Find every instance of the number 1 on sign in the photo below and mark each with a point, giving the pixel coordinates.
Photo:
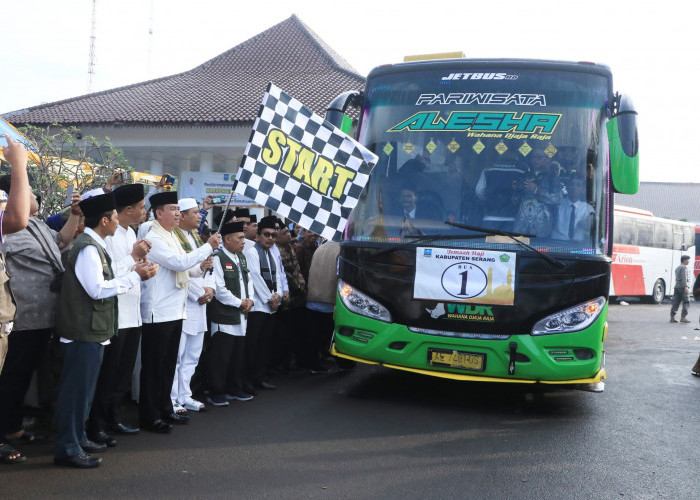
(464, 275)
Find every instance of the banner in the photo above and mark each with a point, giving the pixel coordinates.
(199, 185)
(302, 167)
(7, 129)
(463, 275)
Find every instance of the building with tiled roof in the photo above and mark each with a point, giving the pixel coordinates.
(201, 119)
(672, 200)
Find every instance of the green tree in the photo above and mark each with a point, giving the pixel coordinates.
(64, 156)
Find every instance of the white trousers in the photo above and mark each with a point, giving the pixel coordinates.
(187, 359)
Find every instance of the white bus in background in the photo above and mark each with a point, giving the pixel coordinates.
(646, 251)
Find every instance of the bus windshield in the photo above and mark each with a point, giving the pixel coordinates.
(516, 151)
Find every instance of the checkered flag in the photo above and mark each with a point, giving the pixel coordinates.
(302, 167)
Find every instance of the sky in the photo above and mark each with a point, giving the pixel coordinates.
(651, 47)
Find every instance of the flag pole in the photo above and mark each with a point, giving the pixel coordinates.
(228, 204)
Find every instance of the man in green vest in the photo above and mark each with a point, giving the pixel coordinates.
(87, 319)
(228, 315)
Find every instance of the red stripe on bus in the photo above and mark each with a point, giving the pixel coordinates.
(626, 248)
(628, 279)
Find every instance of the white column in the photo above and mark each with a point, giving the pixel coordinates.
(206, 161)
(185, 164)
(156, 163)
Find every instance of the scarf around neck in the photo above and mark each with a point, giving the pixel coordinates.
(182, 278)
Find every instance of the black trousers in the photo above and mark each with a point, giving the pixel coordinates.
(159, 347)
(226, 364)
(115, 379)
(284, 338)
(258, 344)
(315, 338)
(25, 349)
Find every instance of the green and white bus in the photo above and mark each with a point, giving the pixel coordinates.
(481, 247)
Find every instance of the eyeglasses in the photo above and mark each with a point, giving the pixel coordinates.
(269, 235)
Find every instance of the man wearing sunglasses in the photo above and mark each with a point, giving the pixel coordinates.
(267, 284)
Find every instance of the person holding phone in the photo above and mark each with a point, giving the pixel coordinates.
(33, 258)
(14, 218)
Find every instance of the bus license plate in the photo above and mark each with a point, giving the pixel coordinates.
(457, 359)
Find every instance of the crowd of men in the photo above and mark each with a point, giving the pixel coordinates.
(229, 308)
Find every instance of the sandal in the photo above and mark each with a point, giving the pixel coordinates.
(29, 438)
(7, 453)
(178, 409)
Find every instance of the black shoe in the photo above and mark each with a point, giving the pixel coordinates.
(92, 447)
(120, 428)
(82, 461)
(159, 426)
(217, 400)
(267, 385)
(178, 418)
(249, 389)
(101, 437)
(239, 396)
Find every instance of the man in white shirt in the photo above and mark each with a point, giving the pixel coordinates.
(87, 319)
(163, 304)
(120, 355)
(267, 283)
(200, 293)
(228, 315)
(575, 215)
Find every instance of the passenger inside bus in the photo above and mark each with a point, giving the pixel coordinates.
(541, 192)
(575, 216)
(498, 189)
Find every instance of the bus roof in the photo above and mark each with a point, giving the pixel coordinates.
(582, 66)
(632, 210)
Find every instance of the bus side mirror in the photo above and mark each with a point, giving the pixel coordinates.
(335, 113)
(624, 147)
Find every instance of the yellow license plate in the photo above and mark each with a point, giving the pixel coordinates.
(457, 359)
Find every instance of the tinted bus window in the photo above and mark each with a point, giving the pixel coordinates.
(663, 236)
(646, 233)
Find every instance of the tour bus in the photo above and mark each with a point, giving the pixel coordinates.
(454, 263)
(646, 251)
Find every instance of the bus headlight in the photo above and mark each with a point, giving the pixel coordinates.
(361, 304)
(572, 319)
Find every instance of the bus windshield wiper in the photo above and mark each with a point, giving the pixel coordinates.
(421, 239)
(513, 236)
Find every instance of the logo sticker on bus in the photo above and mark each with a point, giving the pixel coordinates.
(462, 312)
(479, 76)
(479, 121)
(482, 98)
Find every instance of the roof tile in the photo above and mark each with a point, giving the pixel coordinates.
(225, 89)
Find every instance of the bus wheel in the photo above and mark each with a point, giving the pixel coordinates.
(658, 293)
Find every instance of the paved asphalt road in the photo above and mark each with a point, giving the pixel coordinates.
(377, 433)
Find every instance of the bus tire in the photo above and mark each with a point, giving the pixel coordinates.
(658, 293)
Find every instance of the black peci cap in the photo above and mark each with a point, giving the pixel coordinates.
(269, 222)
(241, 212)
(164, 198)
(230, 214)
(231, 227)
(97, 205)
(128, 195)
